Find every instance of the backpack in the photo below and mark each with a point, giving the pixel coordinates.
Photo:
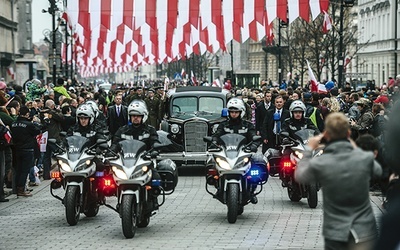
(5, 137)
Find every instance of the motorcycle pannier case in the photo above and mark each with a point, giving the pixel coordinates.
(169, 174)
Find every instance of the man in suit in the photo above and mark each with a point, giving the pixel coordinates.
(261, 110)
(272, 123)
(117, 115)
(344, 171)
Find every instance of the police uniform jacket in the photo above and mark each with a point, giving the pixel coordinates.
(143, 132)
(237, 126)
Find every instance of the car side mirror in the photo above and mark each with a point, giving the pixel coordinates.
(256, 138)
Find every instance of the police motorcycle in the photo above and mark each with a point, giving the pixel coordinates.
(77, 172)
(291, 153)
(136, 189)
(235, 172)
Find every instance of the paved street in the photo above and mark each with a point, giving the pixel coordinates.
(189, 219)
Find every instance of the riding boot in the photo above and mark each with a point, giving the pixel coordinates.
(21, 192)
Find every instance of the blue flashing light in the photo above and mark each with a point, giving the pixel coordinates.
(99, 174)
(156, 183)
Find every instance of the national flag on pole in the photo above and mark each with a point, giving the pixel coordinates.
(166, 83)
(183, 73)
(313, 80)
(193, 78)
(10, 72)
(217, 83)
(327, 24)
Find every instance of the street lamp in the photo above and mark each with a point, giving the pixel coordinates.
(343, 3)
(282, 24)
(52, 11)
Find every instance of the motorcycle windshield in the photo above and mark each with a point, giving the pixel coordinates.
(304, 134)
(75, 146)
(232, 143)
(130, 150)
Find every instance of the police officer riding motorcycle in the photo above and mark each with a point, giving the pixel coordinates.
(234, 168)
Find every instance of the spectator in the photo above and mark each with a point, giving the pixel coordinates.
(53, 119)
(69, 121)
(60, 90)
(344, 171)
(24, 137)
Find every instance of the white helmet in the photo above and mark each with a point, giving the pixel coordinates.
(85, 110)
(236, 104)
(94, 106)
(138, 107)
(297, 105)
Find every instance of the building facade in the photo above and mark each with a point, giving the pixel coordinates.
(8, 34)
(378, 27)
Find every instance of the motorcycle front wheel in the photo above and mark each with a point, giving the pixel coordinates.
(232, 202)
(128, 215)
(312, 195)
(72, 205)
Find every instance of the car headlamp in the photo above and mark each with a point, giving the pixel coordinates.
(223, 164)
(174, 128)
(119, 173)
(64, 166)
(214, 128)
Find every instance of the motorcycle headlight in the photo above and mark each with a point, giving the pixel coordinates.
(174, 128)
(119, 173)
(139, 172)
(223, 164)
(64, 166)
(299, 154)
(242, 162)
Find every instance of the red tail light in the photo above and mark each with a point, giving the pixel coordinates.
(212, 172)
(55, 175)
(287, 164)
(107, 186)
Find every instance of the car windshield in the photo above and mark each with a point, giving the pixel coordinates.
(197, 106)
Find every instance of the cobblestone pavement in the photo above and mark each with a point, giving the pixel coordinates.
(189, 219)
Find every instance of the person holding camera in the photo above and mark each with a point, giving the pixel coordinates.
(344, 171)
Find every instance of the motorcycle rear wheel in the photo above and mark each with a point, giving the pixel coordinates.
(294, 193)
(232, 202)
(312, 195)
(72, 206)
(92, 210)
(128, 215)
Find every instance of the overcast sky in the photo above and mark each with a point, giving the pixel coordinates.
(40, 21)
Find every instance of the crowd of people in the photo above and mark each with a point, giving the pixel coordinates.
(29, 110)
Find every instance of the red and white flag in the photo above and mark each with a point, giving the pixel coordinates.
(193, 78)
(166, 83)
(327, 24)
(183, 73)
(10, 72)
(313, 80)
(217, 83)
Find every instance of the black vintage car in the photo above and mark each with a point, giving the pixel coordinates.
(190, 114)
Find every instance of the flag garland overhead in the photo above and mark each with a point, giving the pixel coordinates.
(118, 35)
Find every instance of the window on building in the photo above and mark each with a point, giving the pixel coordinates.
(27, 8)
(28, 43)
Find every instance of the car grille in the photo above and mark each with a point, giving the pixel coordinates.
(194, 133)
